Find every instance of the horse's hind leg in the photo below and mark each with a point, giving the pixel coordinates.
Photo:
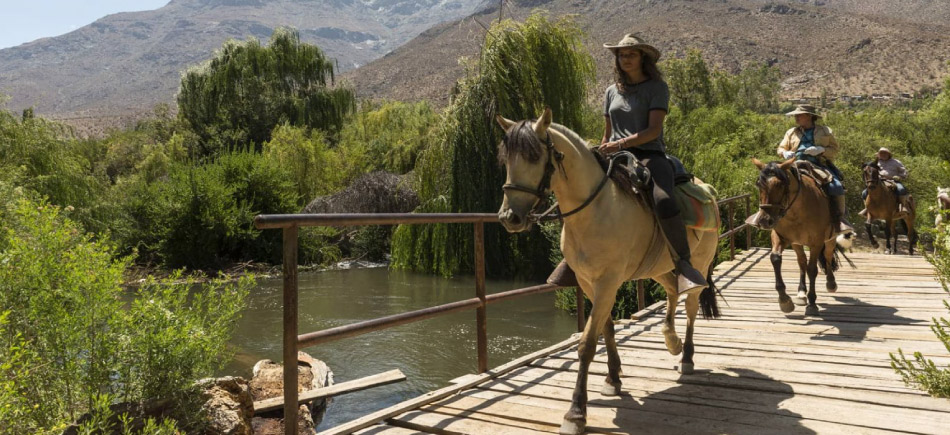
(800, 298)
(911, 234)
(812, 308)
(784, 302)
(829, 252)
(612, 383)
(868, 228)
(692, 307)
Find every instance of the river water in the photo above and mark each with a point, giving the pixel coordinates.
(430, 352)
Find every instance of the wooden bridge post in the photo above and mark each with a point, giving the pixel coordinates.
(641, 296)
(579, 302)
(732, 227)
(290, 330)
(748, 228)
(481, 312)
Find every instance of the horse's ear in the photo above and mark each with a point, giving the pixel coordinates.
(505, 123)
(543, 122)
(758, 163)
(787, 164)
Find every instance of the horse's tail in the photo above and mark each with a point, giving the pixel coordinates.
(707, 299)
(838, 252)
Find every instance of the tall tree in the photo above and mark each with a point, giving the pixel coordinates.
(247, 89)
(522, 68)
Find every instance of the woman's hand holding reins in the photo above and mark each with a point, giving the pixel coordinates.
(610, 147)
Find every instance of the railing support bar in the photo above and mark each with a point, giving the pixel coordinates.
(748, 228)
(641, 296)
(290, 330)
(481, 313)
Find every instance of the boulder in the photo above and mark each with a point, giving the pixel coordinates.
(268, 382)
(228, 405)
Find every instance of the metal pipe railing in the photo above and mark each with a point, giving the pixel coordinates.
(292, 342)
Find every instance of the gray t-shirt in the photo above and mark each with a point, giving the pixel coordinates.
(630, 112)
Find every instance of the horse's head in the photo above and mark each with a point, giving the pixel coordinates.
(528, 153)
(871, 174)
(774, 186)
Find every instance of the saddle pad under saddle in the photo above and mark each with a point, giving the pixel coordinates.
(697, 203)
(821, 175)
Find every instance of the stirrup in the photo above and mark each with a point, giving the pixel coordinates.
(688, 279)
(563, 276)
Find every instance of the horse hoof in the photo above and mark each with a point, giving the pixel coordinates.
(572, 427)
(786, 305)
(675, 348)
(831, 287)
(686, 368)
(875, 245)
(800, 300)
(811, 310)
(610, 389)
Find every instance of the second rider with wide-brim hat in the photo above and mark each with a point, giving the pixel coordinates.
(817, 144)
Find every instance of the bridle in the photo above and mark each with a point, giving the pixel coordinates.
(868, 179)
(544, 186)
(787, 205)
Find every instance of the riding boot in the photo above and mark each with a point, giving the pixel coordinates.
(688, 279)
(844, 226)
(903, 205)
(563, 276)
(863, 212)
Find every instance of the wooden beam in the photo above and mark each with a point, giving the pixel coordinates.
(384, 378)
(648, 310)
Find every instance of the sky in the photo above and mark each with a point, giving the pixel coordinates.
(24, 21)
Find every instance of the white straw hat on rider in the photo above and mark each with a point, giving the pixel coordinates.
(884, 151)
(633, 41)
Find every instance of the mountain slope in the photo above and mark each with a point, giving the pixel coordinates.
(127, 62)
(842, 46)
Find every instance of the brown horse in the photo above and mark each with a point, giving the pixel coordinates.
(882, 204)
(609, 236)
(793, 206)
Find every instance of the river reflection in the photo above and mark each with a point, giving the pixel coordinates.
(430, 352)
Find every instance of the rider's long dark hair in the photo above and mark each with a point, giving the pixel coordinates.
(647, 63)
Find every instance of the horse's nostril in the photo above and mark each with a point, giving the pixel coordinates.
(514, 219)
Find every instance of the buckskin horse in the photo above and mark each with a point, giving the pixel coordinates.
(798, 213)
(881, 204)
(609, 236)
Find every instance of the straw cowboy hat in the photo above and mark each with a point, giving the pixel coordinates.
(884, 151)
(804, 109)
(632, 41)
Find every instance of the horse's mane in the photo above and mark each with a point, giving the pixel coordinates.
(521, 140)
(622, 178)
(771, 170)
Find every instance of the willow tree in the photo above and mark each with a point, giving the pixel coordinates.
(522, 68)
(247, 89)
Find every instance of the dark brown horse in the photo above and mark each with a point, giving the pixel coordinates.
(882, 204)
(793, 206)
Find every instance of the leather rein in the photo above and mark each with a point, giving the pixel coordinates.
(544, 187)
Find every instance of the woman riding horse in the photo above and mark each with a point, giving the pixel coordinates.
(634, 109)
(816, 144)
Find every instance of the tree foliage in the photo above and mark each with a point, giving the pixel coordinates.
(247, 89)
(522, 68)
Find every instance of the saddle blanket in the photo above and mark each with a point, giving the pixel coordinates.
(697, 202)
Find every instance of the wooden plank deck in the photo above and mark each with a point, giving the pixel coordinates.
(758, 370)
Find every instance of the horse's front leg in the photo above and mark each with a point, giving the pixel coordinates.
(812, 308)
(868, 229)
(692, 307)
(673, 343)
(784, 302)
(575, 420)
(614, 372)
(829, 252)
(888, 230)
(801, 297)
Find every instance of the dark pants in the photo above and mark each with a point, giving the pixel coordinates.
(662, 171)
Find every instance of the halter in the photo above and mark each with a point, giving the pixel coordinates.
(868, 181)
(544, 186)
(787, 186)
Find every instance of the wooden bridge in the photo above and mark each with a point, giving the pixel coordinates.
(759, 371)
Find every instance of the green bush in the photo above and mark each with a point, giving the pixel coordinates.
(921, 372)
(70, 343)
(387, 136)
